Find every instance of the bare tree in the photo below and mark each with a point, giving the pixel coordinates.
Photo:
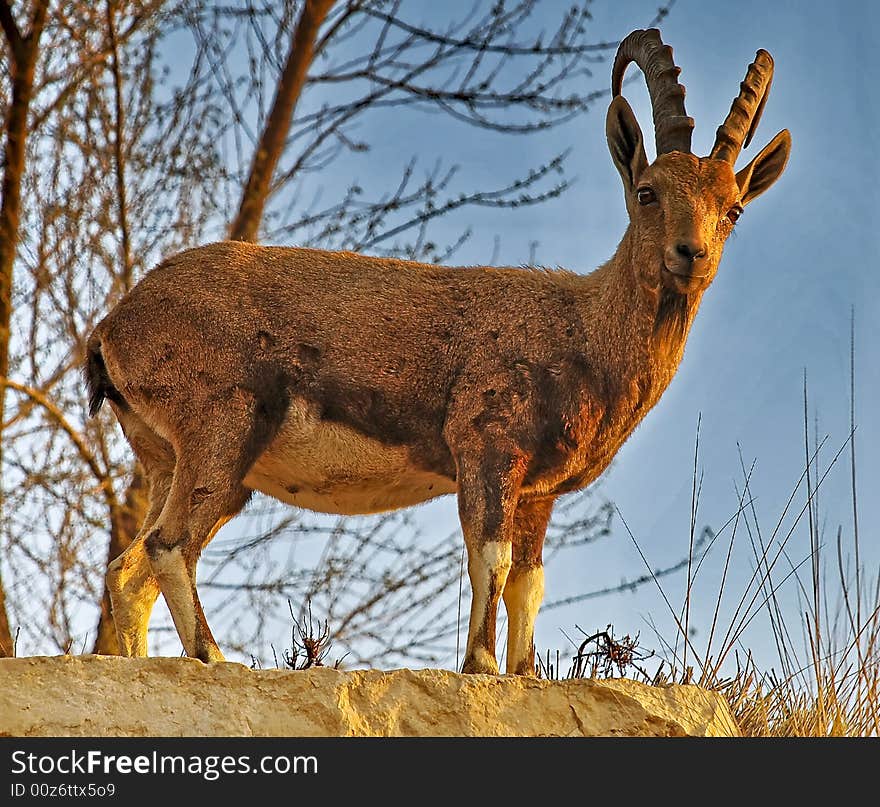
(95, 114)
(272, 140)
(22, 48)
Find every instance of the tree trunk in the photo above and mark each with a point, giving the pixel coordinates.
(271, 145)
(23, 51)
(7, 643)
(126, 522)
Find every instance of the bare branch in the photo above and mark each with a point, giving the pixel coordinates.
(119, 160)
(100, 474)
(271, 144)
(512, 49)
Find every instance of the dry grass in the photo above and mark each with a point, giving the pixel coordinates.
(828, 679)
(832, 703)
(835, 692)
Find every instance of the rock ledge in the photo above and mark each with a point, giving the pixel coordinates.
(99, 696)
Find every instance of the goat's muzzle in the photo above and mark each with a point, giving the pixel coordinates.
(685, 265)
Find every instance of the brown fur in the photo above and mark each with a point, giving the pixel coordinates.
(508, 386)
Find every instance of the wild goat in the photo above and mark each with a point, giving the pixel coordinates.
(343, 383)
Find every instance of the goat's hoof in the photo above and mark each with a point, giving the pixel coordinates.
(209, 655)
(523, 668)
(479, 662)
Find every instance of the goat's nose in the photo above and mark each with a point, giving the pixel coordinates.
(691, 250)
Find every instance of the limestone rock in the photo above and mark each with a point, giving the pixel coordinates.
(110, 696)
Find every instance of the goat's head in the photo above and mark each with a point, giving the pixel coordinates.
(682, 208)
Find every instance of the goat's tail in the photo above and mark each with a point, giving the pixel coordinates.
(97, 379)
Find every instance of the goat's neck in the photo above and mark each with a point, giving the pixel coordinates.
(636, 331)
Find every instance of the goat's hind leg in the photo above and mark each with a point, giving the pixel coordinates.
(130, 580)
(133, 591)
(202, 494)
(212, 460)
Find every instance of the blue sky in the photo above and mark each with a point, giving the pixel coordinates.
(804, 254)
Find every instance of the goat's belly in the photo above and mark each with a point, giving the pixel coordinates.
(331, 468)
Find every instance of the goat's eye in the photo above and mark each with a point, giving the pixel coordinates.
(646, 196)
(734, 213)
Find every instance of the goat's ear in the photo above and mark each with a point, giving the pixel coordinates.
(765, 169)
(625, 142)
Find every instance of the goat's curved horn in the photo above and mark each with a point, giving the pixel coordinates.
(745, 112)
(672, 126)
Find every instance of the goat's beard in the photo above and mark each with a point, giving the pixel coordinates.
(673, 315)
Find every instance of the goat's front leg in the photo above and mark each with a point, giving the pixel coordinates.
(524, 589)
(487, 495)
